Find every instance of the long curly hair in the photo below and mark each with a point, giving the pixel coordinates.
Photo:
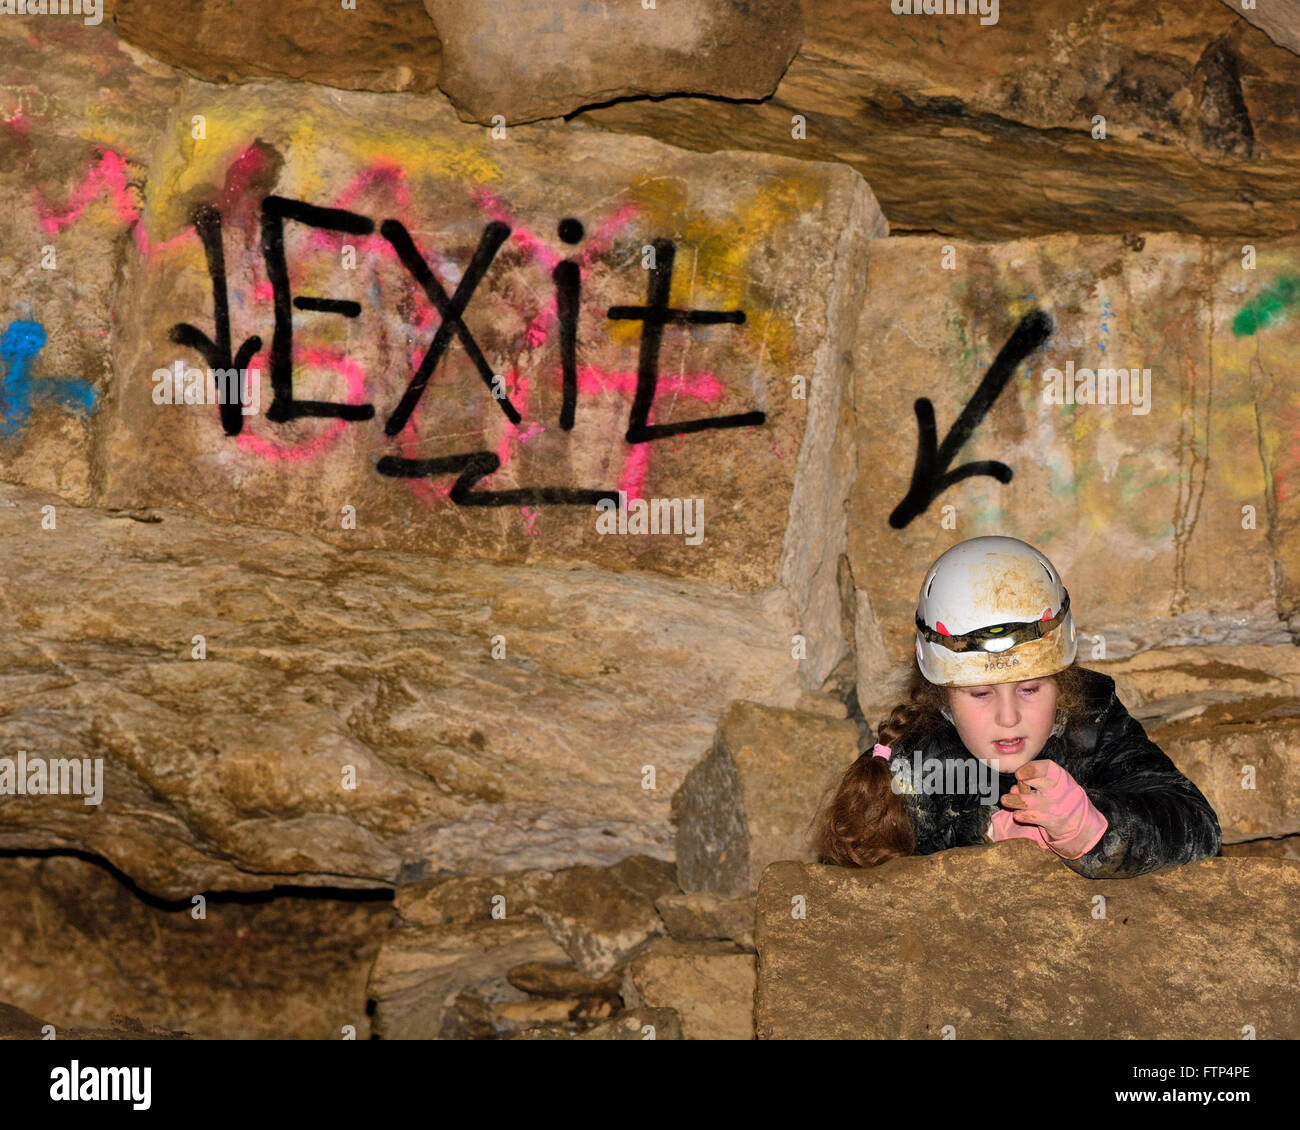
(866, 822)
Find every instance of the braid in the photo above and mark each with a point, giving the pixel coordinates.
(866, 822)
(921, 710)
(900, 720)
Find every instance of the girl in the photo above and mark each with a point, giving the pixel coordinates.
(995, 696)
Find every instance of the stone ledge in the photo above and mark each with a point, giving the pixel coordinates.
(1002, 942)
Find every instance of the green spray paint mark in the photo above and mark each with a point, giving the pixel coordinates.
(1267, 308)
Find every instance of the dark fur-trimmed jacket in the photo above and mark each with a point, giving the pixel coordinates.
(1156, 817)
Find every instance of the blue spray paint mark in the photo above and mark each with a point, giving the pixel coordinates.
(19, 345)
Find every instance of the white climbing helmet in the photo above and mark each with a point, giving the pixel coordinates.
(993, 610)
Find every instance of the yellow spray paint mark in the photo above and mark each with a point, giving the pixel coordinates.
(719, 252)
(1019, 307)
(204, 162)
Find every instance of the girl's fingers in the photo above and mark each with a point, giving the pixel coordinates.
(1034, 805)
(1039, 786)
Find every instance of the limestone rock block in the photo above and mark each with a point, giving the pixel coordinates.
(1168, 683)
(754, 796)
(1245, 761)
(709, 985)
(704, 917)
(1003, 942)
(1189, 94)
(76, 156)
(384, 47)
(82, 948)
(315, 659)
(530, 59)
(768, 253)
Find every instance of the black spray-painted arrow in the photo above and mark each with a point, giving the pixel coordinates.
(930, 474)
(216, 351)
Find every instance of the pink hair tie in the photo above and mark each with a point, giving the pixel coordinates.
(881, 751)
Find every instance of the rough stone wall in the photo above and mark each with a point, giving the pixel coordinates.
(372, 633)
(451, 342)
(992, 132)
(1198, 952)
(1167, 501)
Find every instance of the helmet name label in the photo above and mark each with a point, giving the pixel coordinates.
(1000, 663)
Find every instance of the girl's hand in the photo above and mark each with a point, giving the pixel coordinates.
(1047, 797)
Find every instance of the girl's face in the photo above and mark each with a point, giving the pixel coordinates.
(984, 715)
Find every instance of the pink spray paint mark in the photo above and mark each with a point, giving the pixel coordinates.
(636, 464)
(596, 244)
(146, 248)
(513, 434)
(108, 173)
(427, 491)
(317, 358)
(376, 175)
(519, 388)
(697, 386)
(538, 331)
(240, 175)
(1288, 464)
(234, 198)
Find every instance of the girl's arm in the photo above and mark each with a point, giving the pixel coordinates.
(940, 821)
(1156, 816)
(933, 830)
